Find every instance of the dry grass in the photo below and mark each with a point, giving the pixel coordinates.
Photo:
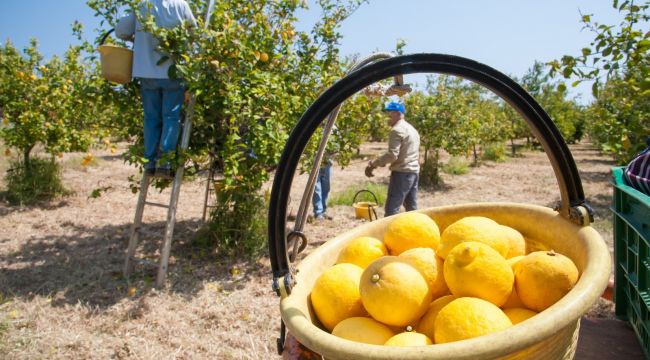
(63, 297)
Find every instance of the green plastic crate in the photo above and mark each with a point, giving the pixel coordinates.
(631, 210)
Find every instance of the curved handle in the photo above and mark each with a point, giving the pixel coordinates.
(101, 42)
(573, 205)
(354, 199)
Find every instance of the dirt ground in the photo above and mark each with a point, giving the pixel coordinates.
(62, 295)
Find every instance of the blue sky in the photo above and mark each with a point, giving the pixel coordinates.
(508, 35)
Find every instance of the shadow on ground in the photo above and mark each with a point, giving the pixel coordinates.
(85, 265)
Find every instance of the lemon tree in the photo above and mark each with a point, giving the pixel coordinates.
(252, 74)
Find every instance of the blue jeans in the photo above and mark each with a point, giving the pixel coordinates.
(162, 100)
(403, 189)
(322, 190)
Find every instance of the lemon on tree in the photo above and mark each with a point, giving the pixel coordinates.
(411, 230)
(394, 292)
(409, 339)
(473, 228)
(544, 277)
(335, 296)
(426, 325)
(430, 266)
(477, 270)
(362, 251)
(363, 329)
(466, 318)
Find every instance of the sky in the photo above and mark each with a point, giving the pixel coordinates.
(508, 35)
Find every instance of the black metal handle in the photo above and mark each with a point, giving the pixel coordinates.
(101, 42)
(540, 123)
(371, 209)
(354, 199)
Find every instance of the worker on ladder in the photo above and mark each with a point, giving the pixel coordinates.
(162, 97)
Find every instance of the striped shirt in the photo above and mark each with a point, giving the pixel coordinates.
(637, 172)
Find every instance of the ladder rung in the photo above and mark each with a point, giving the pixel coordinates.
(148, 233)
(156, 204)
(144, 262)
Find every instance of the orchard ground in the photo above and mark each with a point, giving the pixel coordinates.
(62, 294)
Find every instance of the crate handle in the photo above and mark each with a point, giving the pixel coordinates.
(572, 206)
(371, 209)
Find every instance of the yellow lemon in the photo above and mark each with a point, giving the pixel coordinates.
(362, 251)
(513, 301)
(468, 317)
(477, 270)
(533, 245)
(394, 292)
(409, 339)
(363, 329)
(335, 296)
(430, 266)
(427, 322)
(516, 240)
(473, 228)
(517, 315)
(543, 278)
(411, 230)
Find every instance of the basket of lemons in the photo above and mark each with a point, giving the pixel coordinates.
(471, 281)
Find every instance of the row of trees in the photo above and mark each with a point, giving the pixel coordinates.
(253, 74)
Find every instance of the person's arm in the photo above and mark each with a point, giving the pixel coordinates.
(394, 144)
(125, 27)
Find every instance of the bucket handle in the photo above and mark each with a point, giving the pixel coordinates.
(572, 206)
(103, 40)
(370, 207)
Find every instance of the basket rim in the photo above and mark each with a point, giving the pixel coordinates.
(569, 309)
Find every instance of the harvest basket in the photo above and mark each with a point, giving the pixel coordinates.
(116, 61)
(552, 334)
(365, 209)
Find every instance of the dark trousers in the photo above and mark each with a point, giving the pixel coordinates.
(403, 189)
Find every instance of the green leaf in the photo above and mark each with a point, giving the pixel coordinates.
(561, 88)
(586, 51)
(594, 89)
(162, 60)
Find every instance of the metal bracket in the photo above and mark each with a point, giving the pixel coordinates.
(282, 286)
(582, 214)
(298, 246)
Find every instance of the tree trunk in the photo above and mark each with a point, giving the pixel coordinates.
(429, 173)
(26, 158)
(512, 145)
(475, 155)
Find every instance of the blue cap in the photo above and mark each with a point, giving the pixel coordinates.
(395, 106)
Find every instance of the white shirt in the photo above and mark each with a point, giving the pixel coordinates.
(168, 14)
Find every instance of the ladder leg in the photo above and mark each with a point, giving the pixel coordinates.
(137, 222)
(166, 245)
(207, 193)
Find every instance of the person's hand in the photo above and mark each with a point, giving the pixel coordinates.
(369, 170)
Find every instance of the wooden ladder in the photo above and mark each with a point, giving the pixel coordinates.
(136, 227)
